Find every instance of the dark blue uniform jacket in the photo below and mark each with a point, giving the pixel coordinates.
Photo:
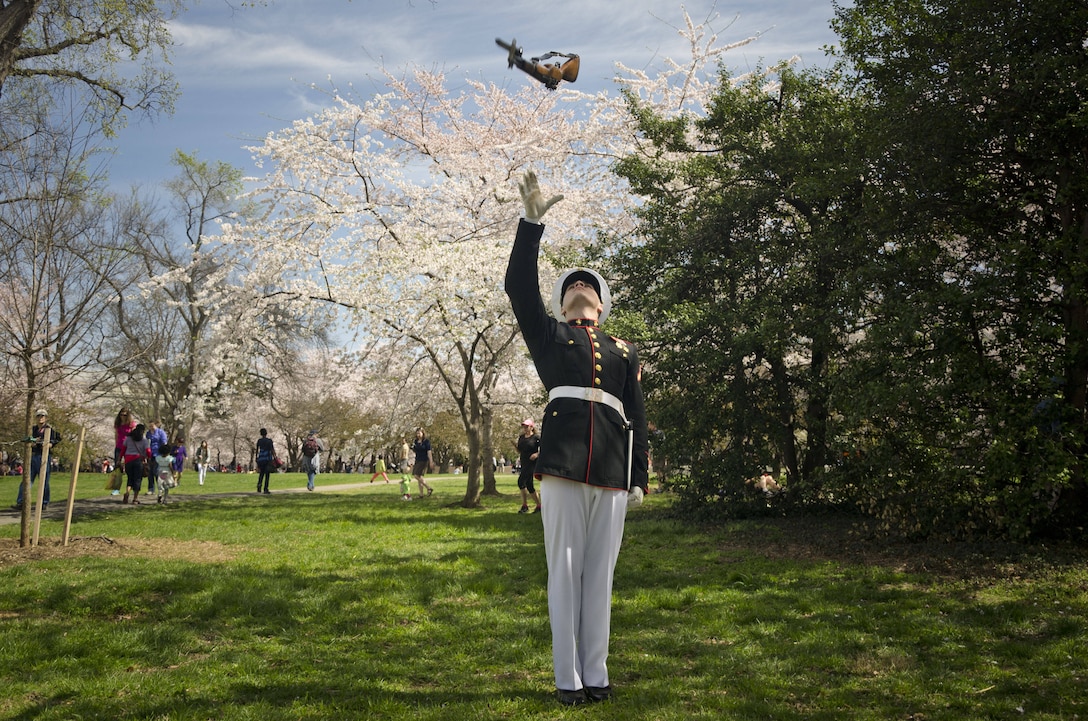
(579, 440)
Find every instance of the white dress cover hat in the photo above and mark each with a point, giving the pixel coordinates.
(557, 293)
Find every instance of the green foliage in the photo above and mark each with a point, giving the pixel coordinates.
(748, 277)
(979, 348)
(115, 51)
(878, 281)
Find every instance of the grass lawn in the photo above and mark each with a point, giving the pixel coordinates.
(353, 604)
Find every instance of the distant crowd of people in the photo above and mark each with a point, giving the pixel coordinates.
(148, 463)
(145, 451)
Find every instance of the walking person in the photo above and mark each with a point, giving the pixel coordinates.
(178, 464)
(528, 444)
(424, 461)
(266, 453)
(311, 458)
(37, 437)
(156, 437)
(202, 458)
(122, 426)
(164, 461)
(593, 456)
(379, 469)
(137, 457)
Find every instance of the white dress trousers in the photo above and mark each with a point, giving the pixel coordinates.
(583, 529)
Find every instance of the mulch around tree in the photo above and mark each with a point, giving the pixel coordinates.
(50, 547)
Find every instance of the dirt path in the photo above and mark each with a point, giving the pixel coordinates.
(83, 506)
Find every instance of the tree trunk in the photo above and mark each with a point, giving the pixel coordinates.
(487, 439)
(816, 418)
(28, 448)
(787, 439)
(1074, 223)
(14, 17)
(472, 490)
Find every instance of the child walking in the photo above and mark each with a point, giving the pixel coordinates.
(179, 460)
(379, 469)
(406, 487)
(165, 459)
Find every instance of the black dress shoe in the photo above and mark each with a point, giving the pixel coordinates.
(598, 693)
(571, 698)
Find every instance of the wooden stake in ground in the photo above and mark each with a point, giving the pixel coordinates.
(46, 442)
(72, 488)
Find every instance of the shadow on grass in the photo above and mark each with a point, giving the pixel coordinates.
(366, 607)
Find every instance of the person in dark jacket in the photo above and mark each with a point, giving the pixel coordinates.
(593, 456)
(266, 454)
(528, 444)
(37, 437)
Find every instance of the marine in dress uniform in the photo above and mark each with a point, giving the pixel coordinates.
(593, 450)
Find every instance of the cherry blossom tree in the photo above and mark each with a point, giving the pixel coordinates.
(401, 210)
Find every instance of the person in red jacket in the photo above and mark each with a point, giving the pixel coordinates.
(594, 451)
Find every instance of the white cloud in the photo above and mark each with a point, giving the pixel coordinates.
(230, 56)
(247, 71)
(309, 41)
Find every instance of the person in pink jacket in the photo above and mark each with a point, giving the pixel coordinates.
(122, 426)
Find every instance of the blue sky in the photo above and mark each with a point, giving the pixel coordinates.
(247, 71)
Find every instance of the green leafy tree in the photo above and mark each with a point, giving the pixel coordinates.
(982, 330)
(750, 277)
(113, 49)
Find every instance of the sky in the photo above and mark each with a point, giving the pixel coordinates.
(247, 71)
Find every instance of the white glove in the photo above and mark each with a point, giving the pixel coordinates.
(634, 497)
(533, 199)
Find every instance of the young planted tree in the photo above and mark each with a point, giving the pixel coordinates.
(59, 245)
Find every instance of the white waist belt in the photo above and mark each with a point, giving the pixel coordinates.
(595, 395)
